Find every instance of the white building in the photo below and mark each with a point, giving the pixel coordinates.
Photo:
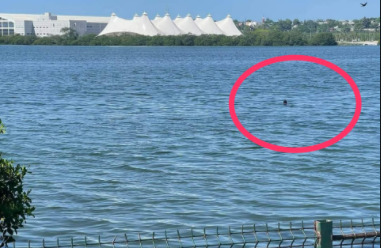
(49, 25)
(252, 24)
(165, 26)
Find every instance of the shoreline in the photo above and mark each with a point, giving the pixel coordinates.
(361, 43)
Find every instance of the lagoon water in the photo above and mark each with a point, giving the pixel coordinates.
(123, 139)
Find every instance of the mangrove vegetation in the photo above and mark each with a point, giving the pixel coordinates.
(254, 38)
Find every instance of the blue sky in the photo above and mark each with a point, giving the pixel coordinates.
(239, 9)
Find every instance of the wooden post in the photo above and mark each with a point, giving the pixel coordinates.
(324, 231)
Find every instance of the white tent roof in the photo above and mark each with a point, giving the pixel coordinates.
(208, 26)
(167, 26)
(139, 25)
(145, 26)
(188, 26)
(177, 20)
(116, 25)
(157, 18)
(198, 19)
(228, 27)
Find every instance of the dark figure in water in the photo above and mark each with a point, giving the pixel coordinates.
(285, 103)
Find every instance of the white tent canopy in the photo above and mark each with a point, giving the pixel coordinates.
(167, 26)
(188, 26)
(146, 27)
(116, 25)
(198, 19)
(142, 25)
(228, 27)
(208, 26)
(157, 18)
(139, 25)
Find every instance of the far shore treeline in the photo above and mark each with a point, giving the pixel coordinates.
(255, 38)
(268, 33)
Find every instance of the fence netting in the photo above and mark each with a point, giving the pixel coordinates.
(354, 234)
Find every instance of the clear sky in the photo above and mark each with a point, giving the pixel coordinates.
(239, 9)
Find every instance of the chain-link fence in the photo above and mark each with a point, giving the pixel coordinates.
(320, 234)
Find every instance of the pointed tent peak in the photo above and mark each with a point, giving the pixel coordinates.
(178, 16)
(167, 14)
(157, 18)
(229, 16)
(210, 15)
(145, 13)
(136, 15)
(198, 16)
(113, 14)
(189, 15)
(228, 27)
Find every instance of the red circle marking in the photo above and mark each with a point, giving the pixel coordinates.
(303, 58)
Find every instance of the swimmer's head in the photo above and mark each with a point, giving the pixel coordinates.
(285, 102)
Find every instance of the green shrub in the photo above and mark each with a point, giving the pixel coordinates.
(15, 204)
(323, 39)
(258, 37)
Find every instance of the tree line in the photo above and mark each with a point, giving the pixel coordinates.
(258, 37)
(314, 26)
(366, 29)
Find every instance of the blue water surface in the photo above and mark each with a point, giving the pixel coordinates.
(140, 138)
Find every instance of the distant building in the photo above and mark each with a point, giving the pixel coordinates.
(323, 23)
(347, 22)
(48, 25)
(252, 24)
(371, 29)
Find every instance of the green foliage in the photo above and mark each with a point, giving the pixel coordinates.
(323, 39)
(366, 22)
(47, 41)
(17, 40)
(284, 25)
(15, 204)
(346, 28)
(333, 23)
(69, 34)
(2, 128)
(296, 22)
(257, 37)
